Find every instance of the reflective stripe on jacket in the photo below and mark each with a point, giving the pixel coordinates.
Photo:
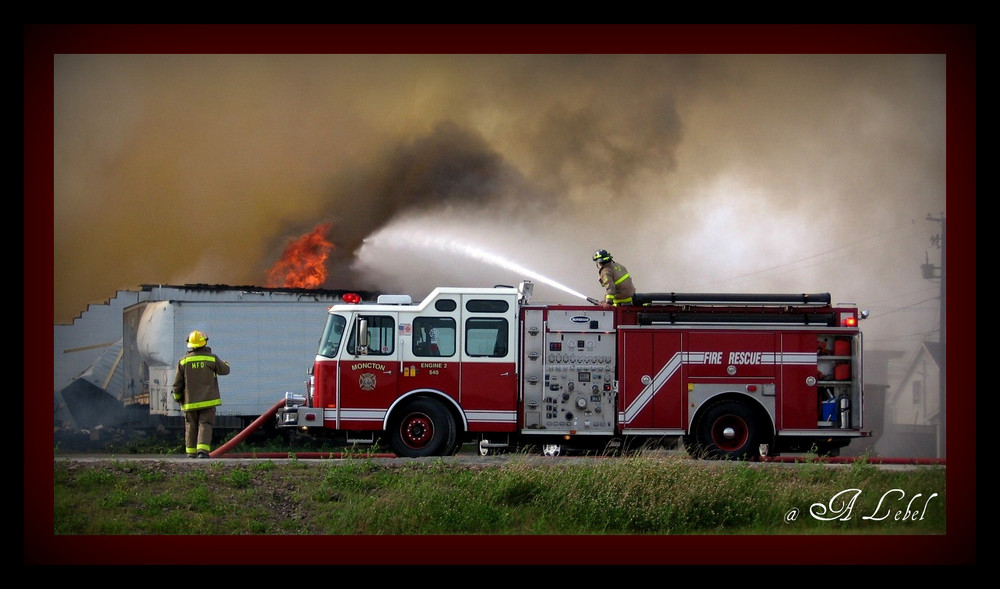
(617, 284)
(196, 384)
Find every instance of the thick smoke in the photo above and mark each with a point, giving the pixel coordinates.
(449, 169)
(730, 173)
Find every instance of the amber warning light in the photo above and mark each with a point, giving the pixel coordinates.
(352, 298)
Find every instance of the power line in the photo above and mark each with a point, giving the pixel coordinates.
(793, 265)
(903, 308)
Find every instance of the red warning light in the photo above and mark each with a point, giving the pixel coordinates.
(850, 321)
(352, 298)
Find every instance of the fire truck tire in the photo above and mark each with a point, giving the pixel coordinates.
(457, 446)
(727, 430)
(424, 428)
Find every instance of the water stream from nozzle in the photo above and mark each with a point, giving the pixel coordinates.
(445, 244)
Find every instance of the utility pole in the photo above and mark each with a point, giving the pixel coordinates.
(928, 273)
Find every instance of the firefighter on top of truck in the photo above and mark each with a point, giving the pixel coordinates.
(615, 278)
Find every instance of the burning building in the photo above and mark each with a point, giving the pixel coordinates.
(116, 362)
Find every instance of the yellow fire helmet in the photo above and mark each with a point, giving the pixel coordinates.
(197, 339)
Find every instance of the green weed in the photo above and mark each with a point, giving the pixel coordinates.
(517, 494)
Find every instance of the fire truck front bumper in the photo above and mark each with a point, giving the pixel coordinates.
(296, 414)
(304, 417)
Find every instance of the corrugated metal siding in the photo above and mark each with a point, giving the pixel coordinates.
(269, 346)
(80, 344)
(104, 372)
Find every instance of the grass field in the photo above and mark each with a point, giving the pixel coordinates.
(514, 494)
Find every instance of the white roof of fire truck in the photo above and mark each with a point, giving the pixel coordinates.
(354, 303)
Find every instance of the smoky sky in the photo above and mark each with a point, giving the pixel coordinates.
(449, 167)
(753, 173)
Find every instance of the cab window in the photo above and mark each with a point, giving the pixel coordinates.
(333, 333)
(486, 337)
(381, 335)
(486, 306)
(433, 336)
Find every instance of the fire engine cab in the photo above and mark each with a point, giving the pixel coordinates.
(730, 375)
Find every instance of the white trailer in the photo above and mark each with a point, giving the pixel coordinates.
(269, 340)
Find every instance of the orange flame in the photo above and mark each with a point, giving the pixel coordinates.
(303, 263)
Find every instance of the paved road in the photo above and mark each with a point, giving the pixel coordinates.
(464, 458)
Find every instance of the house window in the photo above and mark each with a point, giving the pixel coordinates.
(918, 391)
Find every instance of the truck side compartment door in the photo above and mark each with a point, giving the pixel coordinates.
(651, 373)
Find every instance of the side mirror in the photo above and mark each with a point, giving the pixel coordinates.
(362, 336)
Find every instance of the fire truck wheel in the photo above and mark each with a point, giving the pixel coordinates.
(457, 446)
(425, 428)
(551, 449)
(728, 430)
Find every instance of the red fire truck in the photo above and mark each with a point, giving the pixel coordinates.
(729, 375)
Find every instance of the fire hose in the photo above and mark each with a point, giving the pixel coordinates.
(850, 460)
(257, 423)
(269, 414)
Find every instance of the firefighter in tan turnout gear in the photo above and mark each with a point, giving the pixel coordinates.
(196, 389)
(617, 283)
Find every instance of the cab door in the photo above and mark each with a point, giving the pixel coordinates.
(369, 371)
(488, 382)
